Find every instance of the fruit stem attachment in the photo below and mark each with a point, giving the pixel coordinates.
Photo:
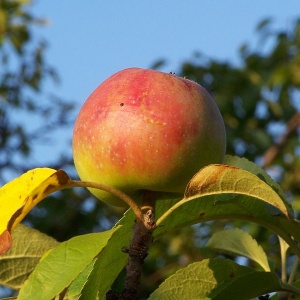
(88, 184)
(141, 240)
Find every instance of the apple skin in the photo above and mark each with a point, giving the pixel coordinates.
(145, 130)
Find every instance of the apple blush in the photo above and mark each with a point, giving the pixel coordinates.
(146, 131)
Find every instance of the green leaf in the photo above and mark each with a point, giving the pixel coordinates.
(248, 286)
(75, 289)
(220, 193)
(25, 253)
(216, 279)
(224, 179)
(245, 164)
(241, 207)
(197, 280)
(61, 265)
(110, 261)
(238, 242)
(200, 279)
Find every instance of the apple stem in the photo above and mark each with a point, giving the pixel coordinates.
(141, 240)
(87, 184)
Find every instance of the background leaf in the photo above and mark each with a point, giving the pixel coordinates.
(238, 242)
(61, 265)
(28, 247)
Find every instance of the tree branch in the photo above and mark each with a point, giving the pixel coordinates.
(141, 240)
(274, 150)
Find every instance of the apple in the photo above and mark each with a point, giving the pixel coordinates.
(145, 130)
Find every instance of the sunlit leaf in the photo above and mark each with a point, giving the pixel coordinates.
(61, 265)
(229, 180)
(19, 196)
(245, 164)
(238, 242)
(216, 279)
(28, 247)
(174, 214)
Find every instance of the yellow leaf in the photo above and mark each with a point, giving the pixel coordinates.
(19, 196)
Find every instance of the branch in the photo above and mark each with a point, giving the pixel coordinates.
(141, 240)
(274, 150)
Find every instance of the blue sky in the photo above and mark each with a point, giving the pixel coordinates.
(90, 40)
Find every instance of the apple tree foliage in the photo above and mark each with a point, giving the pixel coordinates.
(255, 224)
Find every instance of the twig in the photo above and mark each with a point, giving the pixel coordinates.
(138, 250)
(274, 150)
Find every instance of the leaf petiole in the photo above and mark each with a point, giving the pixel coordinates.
(128, 200)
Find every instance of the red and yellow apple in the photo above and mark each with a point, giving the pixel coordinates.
(145, 130)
